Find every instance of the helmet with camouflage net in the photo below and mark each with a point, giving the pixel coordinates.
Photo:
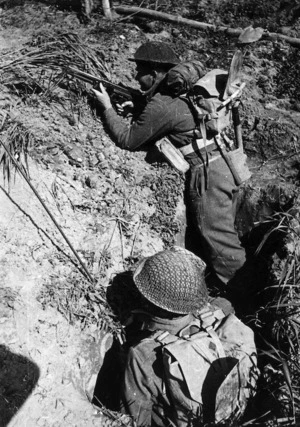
(173, 280)
(156, 53)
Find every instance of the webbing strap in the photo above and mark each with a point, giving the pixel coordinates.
(206, 164)
(165, 338)
(209, 318)
(216, 340)
(207, 323)
(199, 142)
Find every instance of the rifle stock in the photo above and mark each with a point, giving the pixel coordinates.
(117, 92)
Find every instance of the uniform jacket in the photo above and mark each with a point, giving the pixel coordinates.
(162, 116)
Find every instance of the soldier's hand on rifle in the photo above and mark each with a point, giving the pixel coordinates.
(125, 109)
(102, 97)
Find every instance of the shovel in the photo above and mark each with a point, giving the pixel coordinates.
(231, 87)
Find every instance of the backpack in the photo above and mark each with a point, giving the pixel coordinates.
(204, 93)
(211, 97)
(210, 374)
(207, 99)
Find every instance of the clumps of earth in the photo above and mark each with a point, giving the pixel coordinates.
(114, 206)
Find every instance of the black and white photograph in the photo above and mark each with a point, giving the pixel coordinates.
(149, 213)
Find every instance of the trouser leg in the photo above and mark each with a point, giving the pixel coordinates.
(213, 214)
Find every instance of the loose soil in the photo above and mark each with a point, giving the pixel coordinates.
(115, 206)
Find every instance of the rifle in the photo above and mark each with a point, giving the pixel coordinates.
(117, 92)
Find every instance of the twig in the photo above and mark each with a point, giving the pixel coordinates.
(134, 238)
(46, 209)
(121, 238)
(42, 233)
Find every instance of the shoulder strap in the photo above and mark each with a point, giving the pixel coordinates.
(217, 342)
(210, 319)
(164, 337)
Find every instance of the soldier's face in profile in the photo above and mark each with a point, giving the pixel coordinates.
(144, 75)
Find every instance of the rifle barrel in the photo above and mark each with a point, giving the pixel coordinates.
(89, 78)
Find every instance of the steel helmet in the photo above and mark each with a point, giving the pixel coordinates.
(156, 53)
(173, 280)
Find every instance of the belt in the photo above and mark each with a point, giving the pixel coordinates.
(209, 146)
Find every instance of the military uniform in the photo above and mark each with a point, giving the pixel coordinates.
(211, 202)
(173, 282)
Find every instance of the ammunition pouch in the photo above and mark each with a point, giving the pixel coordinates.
(237, 163)
(236, 160)
(172, 155)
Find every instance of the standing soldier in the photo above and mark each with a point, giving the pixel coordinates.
(211, 187)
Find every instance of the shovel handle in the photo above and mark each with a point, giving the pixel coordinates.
(237, 126)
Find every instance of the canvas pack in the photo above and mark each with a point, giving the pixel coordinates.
(210, 374)
(204, 93)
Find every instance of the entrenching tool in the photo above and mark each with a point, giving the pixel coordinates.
(236, 160)
(234, 74)
(233, 88)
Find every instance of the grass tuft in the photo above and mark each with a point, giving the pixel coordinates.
(18, 141)
(279, 320)
(79, 301)
(38, 67)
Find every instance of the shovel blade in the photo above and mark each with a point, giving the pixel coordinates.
(234, 73)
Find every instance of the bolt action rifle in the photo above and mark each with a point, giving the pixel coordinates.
(117, 93)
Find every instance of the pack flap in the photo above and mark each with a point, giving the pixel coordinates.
(193, 368)
(236, 389)
(213, 83)
(197, 375)
(233, 394)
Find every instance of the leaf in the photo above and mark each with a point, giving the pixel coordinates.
(250, 34)
(288, 381)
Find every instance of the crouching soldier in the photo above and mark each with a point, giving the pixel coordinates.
(192, 361)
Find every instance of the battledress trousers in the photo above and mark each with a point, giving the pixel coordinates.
(211, 201)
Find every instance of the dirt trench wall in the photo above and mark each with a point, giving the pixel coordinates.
(64, 360)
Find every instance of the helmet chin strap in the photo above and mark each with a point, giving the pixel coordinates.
(150, 92)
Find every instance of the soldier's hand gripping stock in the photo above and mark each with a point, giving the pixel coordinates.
(108, 94)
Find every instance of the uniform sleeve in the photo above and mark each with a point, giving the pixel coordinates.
(136, 394)
(154, 123)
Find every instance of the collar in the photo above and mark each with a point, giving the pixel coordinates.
(148, 322)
